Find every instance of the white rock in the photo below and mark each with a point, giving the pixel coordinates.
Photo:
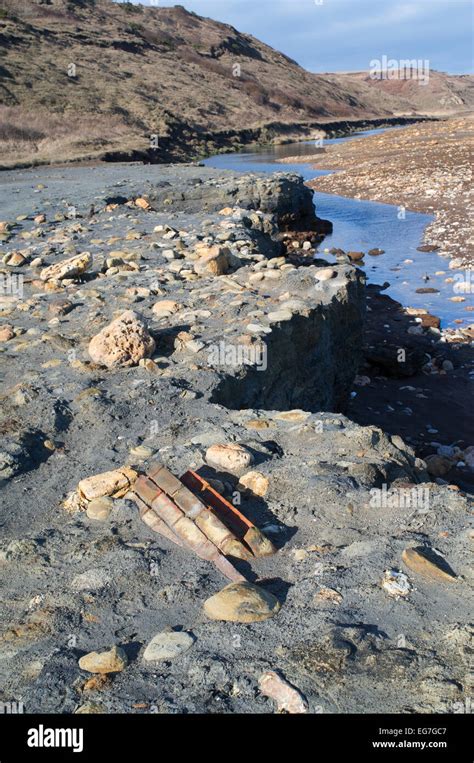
(167, 646)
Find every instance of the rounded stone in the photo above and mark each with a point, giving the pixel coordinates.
(167, 646)
(325, 274)
(113, 661)
(99, 508)
(256, 482)
(242, 603)
(231, 457)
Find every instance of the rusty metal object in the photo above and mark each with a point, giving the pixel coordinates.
(243, 528)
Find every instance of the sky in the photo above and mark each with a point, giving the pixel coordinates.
(345, 35)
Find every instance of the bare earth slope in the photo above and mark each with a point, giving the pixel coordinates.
(80, 78)
(442, 93)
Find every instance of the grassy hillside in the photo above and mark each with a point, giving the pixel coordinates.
(80, 79)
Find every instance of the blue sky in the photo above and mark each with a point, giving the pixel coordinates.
(345, 35)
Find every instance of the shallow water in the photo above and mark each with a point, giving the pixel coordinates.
(363, 225)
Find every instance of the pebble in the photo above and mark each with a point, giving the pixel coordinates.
(417, 560)
(256, 482)
(396, 583)
(231, 457)
(6, 333)
(113, 661)
(99, 509)
(325, 274)
(124, 342)
(141, 452)
(242, 603)
(279, 316)
(287, 697)
(168, 646)
(70, 268)
(438, 466)
(165, 308)
(91, 580)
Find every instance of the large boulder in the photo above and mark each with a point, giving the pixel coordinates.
(124, 342)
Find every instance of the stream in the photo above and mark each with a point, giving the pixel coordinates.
(363, 225)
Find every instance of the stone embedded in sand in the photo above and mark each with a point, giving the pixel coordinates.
(295, 415)
(6, 333)
(396, 583)
(325, 274)
(91, 580)
(417, 560)
(165, 308)
(142, 203)
(168, 646)
(426, 248)
(14, 259)
(99, 508)
(231, 457)
(438, 466)
(213, 260)
(113, 661)
(242, 603)
(278, 316)
(258, 424)
(327, 596)
(116, 483)
(124, 342)
(90, 708)
(256, 482)
(287, 697)
(430, 321)
(71, 268)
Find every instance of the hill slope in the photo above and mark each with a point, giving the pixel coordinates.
(80, 78)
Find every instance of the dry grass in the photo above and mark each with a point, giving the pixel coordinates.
(150, 70)
(40, 137)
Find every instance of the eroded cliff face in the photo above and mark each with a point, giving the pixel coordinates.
(311, 357)
(233, 342)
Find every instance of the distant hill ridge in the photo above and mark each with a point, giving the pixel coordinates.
(83, 79)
